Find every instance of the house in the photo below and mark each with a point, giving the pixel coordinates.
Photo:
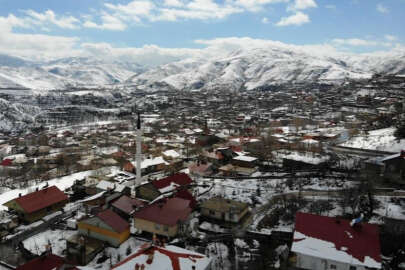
(147, 165)
(395, 167)
(104, 185)
(154, 257)
(126, 206)
(224, 209)
(36, 205)
(200, 168)
(232, 170)
(394, 220)
(244, 161)
(150, 191)
(47, 261)
(165, 217)
(106, 226)
(81, 249)
(321, 242)
(387, 168)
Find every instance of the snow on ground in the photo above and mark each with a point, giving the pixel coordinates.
(116, 254)
(62, 183)
(57, 239)
(380, 139)
(307, 157)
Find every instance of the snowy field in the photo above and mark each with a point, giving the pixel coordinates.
(56, 238)
(380, 139)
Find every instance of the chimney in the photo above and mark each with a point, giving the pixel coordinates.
(150, 257)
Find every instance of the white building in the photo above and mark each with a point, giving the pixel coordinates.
(322, 243)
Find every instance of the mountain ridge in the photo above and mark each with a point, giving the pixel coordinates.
(243, 68)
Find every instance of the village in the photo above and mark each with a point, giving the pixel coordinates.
(290, 177)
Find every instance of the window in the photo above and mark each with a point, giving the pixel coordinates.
(332, 266)
(352, 268)
(212, 212)
(157, 226)
(166, 229)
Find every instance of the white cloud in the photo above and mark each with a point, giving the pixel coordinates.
(357, 42)
(265, 20)
(49, 17)
(134, 8)
(382, 9)
(302, 4)
(256, 5)
(298, 18)
(108, 22)
(173, 3)
(139, 11)
(330, 6)
(390, 37)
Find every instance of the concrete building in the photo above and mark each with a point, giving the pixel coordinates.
(165, 217)
(106, 226)
(224, 209)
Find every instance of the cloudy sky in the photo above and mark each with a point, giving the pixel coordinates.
(46, 29)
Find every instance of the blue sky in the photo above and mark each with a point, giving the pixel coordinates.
(54, 28)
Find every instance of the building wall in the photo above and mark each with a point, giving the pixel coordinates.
(313, 263)
(111, 237)
(151, 227)
(223, 215)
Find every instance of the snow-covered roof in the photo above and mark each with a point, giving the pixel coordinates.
(105, 185)
(245, 158)
(395, 212)
(152, 162)
(333, 239)
(167, 258)
(171, 153)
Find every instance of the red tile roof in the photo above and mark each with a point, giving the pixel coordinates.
(181, 179)
(113, 220)
(6, 162)
(364, 240)
(166, 212)
(186, 195)
(127, 204)
(45, 262)
(41, 199)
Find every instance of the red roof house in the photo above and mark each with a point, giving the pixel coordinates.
(105, 226)
(180, 179)
(322, 242)
(126, 205)
(38, 204)
(47, 262)
(163, 217)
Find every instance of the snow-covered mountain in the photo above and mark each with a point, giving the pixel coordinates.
(258, 67)
(245, 68)
(59, 74)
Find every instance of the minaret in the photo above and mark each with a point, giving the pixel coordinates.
(138, 151)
